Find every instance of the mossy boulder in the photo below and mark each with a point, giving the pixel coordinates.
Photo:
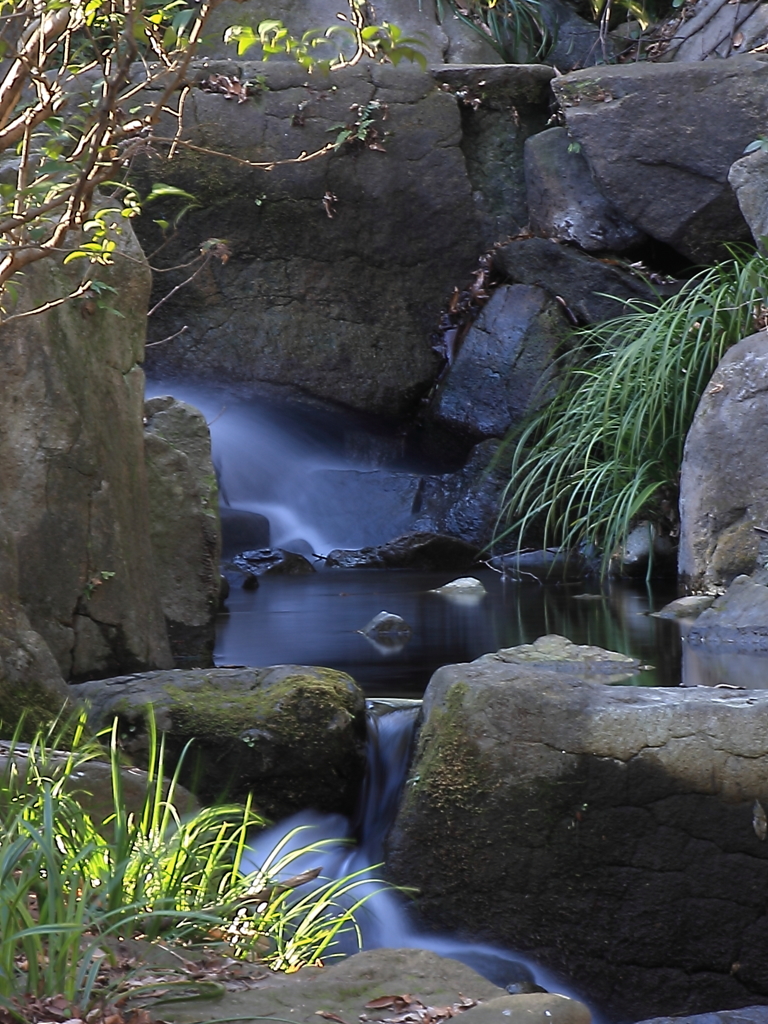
(613, 833)
(291, 736)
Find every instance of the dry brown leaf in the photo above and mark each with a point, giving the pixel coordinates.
(385, 1002)
(330, 1016)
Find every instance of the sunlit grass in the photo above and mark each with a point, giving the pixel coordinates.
(68, 882)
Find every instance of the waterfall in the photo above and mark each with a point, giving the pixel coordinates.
(385, 920)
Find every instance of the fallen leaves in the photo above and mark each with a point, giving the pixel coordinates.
(228, 85)
(410, 1009)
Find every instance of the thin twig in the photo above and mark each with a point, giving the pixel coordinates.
(151, 344)
(81, 290)
(182, 284)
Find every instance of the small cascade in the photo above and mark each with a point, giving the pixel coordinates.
(314, 475)
(345, 847)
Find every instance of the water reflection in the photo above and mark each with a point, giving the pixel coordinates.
(315, 619)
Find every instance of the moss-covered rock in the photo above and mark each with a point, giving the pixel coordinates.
(611, 832)
(292, 736)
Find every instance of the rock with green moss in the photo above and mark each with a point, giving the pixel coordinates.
(611, 832)
(291, 736)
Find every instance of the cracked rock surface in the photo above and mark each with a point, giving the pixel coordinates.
(72, 482)
(607, 831)
(340, 265)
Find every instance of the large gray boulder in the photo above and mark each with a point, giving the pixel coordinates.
(723, 493)
(749, 180)
(73, 487)
(340, 265)
(292, 736)
(565, 203)
(184, 526)
(30, 680)
(592, 289)
(614, 833)
(336, 296)
(504, 369)
(660, 153)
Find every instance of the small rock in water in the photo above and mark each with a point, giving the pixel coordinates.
(466, 585)
(386, 624)
(273, 561)
(685, 607)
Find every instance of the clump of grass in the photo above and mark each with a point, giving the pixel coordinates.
(602, 454)
(68, 882)
(514, 28)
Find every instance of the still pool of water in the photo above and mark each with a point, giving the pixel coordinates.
(314, 620)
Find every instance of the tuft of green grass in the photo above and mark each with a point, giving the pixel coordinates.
(68, 882)
(606, 452)
(514, 28)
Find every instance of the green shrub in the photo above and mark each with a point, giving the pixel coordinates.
(607, 451)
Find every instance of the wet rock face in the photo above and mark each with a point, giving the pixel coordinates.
(335, 296)
(665, 165)
(591, 289)
(292, 736)
(73, 487)
(504, 369)
(565, 203)
(184, 526)
(723, 495)
(605, 830)
(340, 266)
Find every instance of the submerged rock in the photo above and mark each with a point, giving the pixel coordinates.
(273, 562)
(385, 624)
(413, 551)
(685, 607)
(606, 831)
(544, 564)
(292, 736)
(464, 585)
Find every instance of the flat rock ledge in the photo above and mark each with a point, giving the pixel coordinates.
(341, 992)
(610, 832)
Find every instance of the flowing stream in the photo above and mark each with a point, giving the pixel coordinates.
(316, 478)
(349, 847)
